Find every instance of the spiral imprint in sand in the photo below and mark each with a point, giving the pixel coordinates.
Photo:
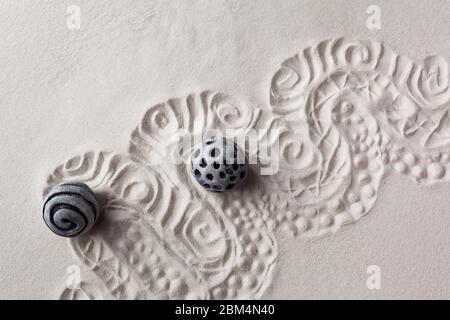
(248, 275)
(158, 138)
(344, 113)
(366, 108)
(158, 240)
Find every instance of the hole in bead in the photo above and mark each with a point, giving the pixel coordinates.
(235, 167)
(216, 165)
(206, 186)
(209, 176)
(222, 175)
(230, 186)
(217, 187)
(197, 173)
(214, 152)
(203, 163)
(232, 178)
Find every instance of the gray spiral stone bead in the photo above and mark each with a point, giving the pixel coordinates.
(70, 209)
(218, 164)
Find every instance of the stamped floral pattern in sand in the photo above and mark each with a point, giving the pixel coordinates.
(346, 114)
(157, 239)
(366, 110)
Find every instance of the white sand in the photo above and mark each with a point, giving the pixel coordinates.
(67, 92)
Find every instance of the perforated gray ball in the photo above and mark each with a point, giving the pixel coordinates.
(218, 164)
(70, 209)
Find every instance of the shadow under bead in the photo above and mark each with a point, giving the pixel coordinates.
(70, 209)
(218, 164)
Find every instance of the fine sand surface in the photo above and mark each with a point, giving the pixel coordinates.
(358, 205)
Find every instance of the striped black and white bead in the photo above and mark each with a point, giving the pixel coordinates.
(70, 209)
(218, 164)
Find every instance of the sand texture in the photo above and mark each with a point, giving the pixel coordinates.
(359, 120)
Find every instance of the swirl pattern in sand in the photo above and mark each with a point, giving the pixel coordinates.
(345, 114)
